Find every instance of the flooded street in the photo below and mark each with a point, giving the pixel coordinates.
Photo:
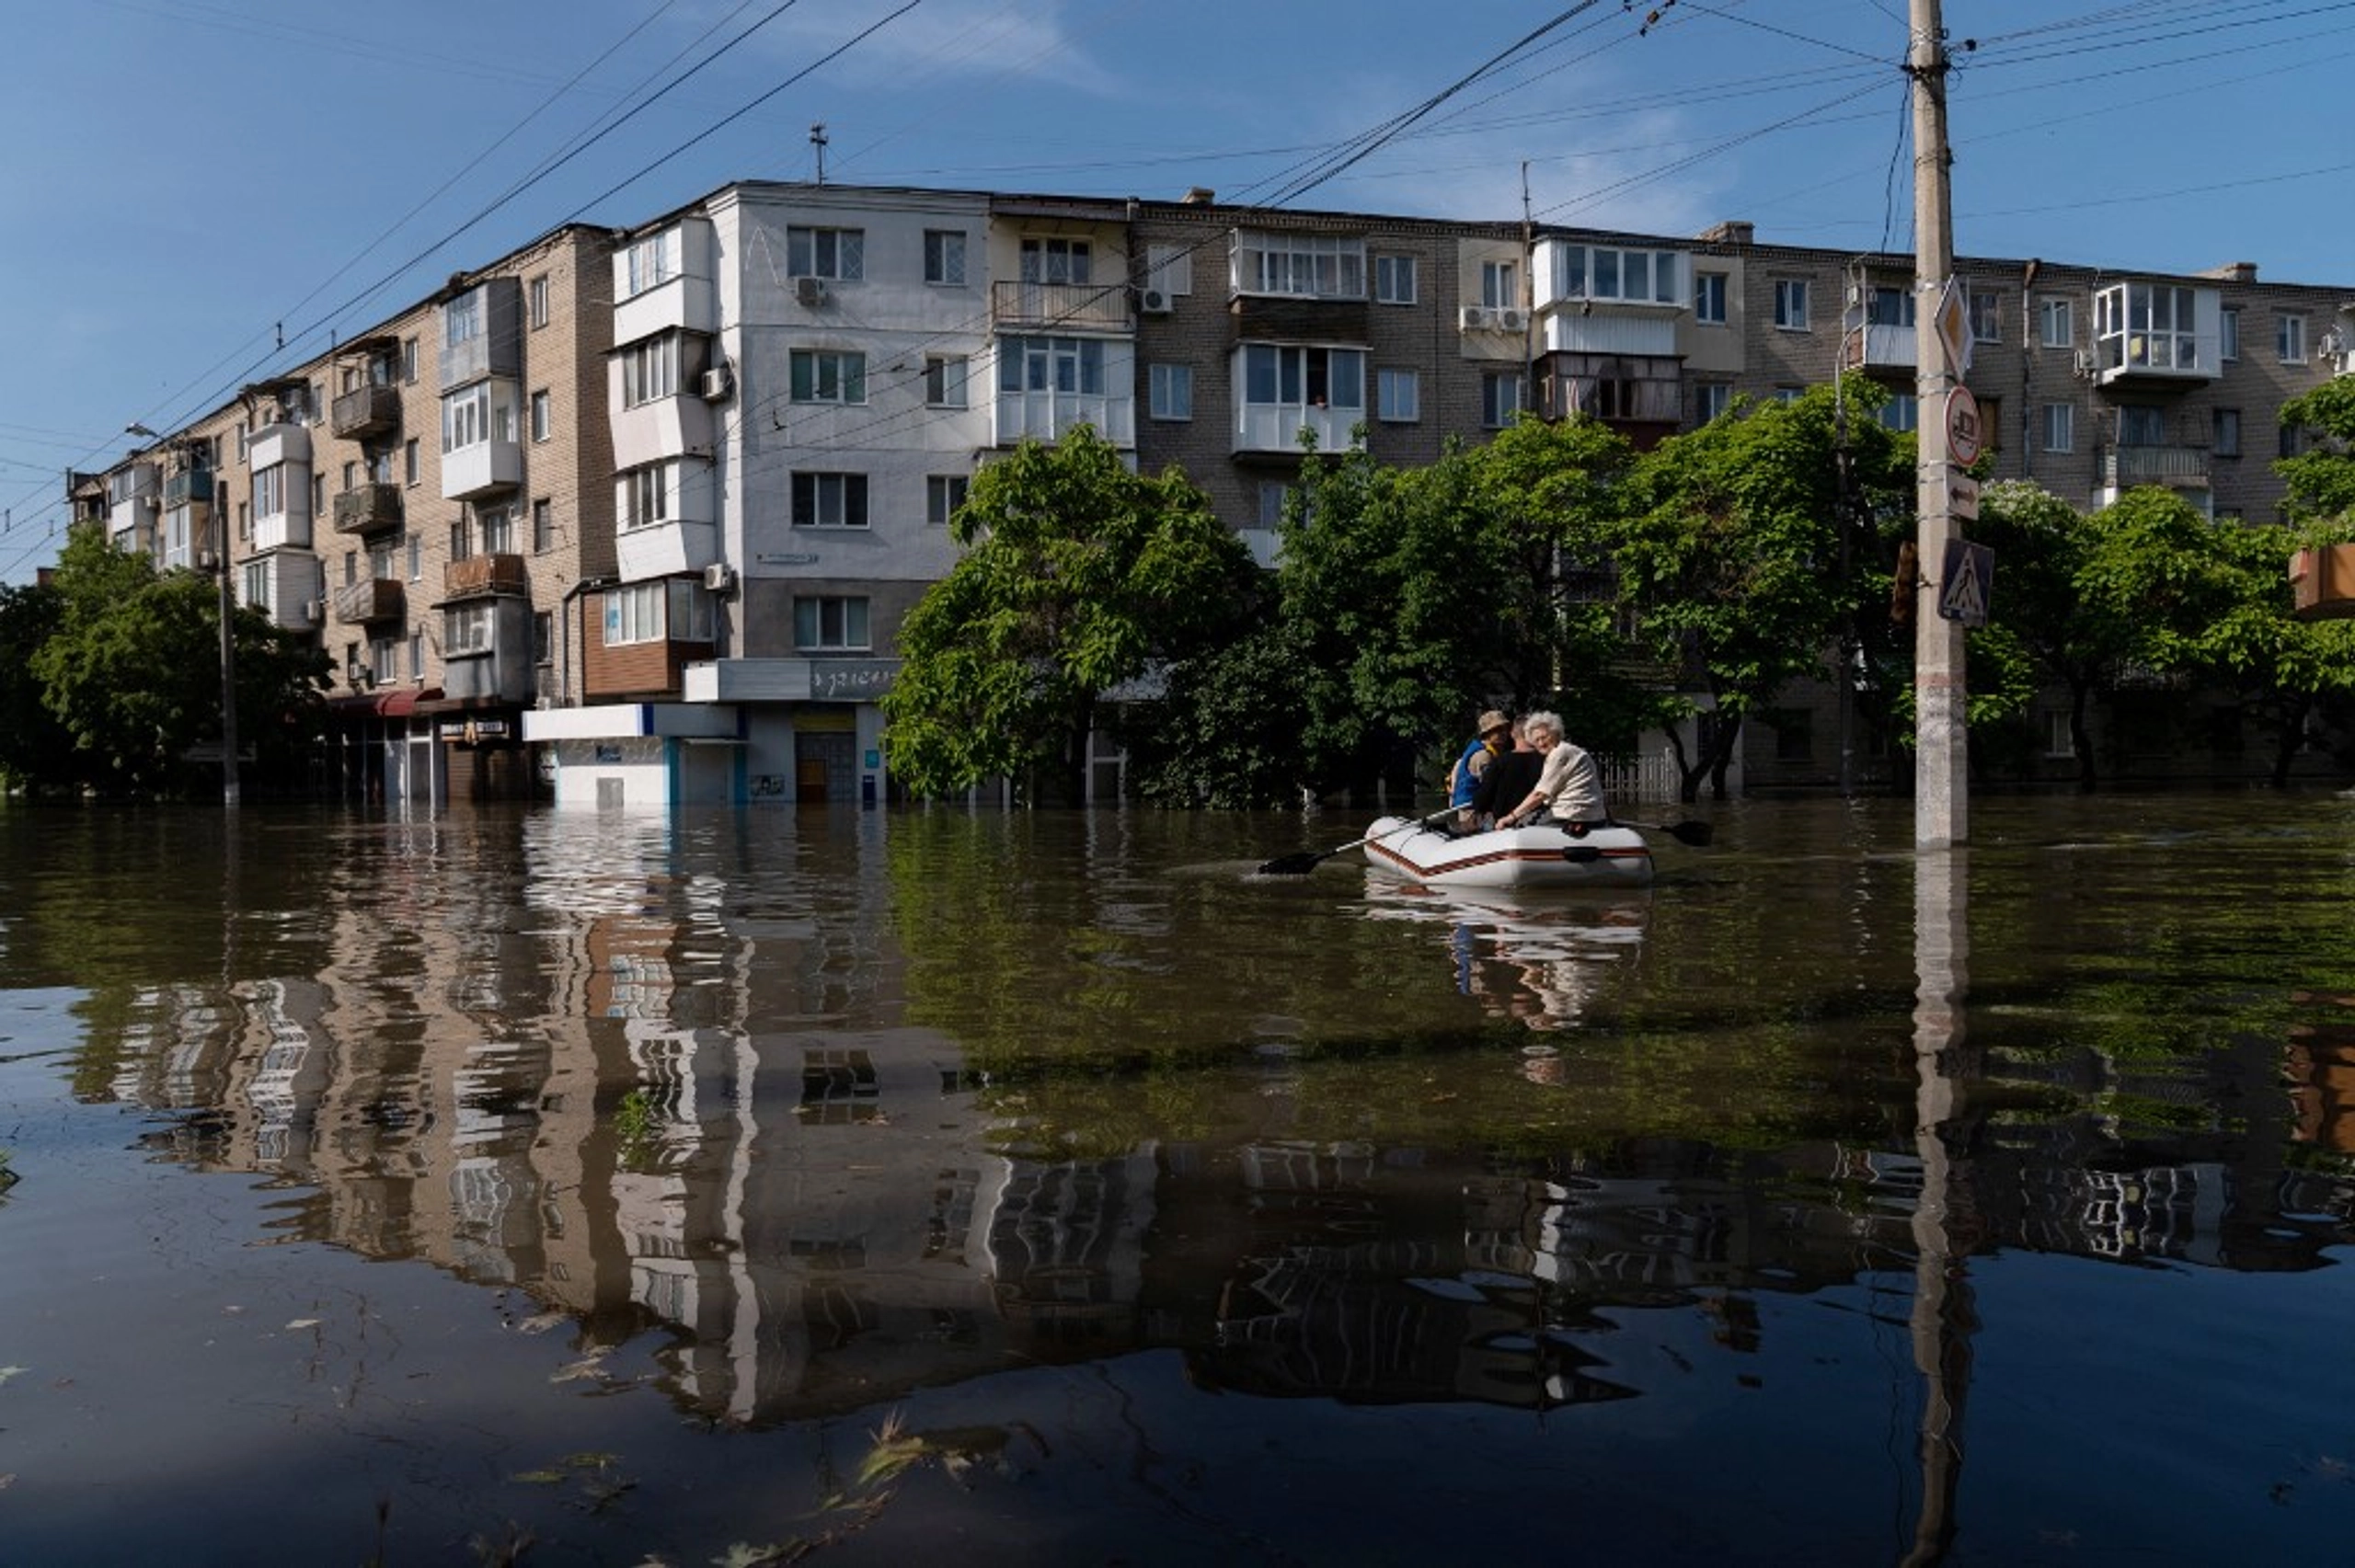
(1051, 1188)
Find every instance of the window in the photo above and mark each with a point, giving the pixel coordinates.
(408, 461)
(1709, 298)
(944, 380)
(1169, 391)
(467, 628)
(269, 491)
(2228, 333)
(1986, 316)
(2228, 432)
(461, 541)
(497, 527)
(543, 637)
(1274, 497)
(1794, 734)
(1327, 266)
(828, 375)
(1394, 280)
(351, 568)
(244, 522)
(829, 624)
(1057, 261)
(409, 360)
(384, 661)
(2057, 741)
(943, 494)
(839, 254)
(1790, 304)
(1901, 412)
(245, 435)
(1710, 400)
(634, 613)
(351, 474)
(2060, 422)
(1399, 396)
(2146, 326)
(644, 496)
(543, 528)
(1614, 272)
(538, 289)
(2056, 324)
(651, 370)
(417, 656)
(1292, 376)
(2140, 425)
(461, 319)
(382, 566)
(829, 500)
(318, 495)
(1170, 268)
(2288, 442)
(1499, 398)
(2290, 339)
(541, 423)
(1888, 305)
(653, 261)
(944, 256)
(1500, 283)
(1052, 364)
(1789, 394)
(415, 543)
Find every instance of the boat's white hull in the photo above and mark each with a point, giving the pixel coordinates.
(1511, 857)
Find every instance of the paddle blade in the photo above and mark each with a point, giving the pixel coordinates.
(1697, 834)
(1298, 865)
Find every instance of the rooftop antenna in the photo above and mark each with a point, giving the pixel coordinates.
(818, 140)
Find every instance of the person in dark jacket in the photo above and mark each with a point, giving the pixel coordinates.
(1509, 778)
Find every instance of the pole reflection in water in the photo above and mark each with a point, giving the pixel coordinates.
(1945, 1217)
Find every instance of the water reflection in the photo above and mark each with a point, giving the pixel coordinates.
(1541, 961)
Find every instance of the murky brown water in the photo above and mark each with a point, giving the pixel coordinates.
(427, 1188)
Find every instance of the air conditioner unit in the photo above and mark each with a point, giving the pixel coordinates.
(719, 576)
(1511, 318)
(2088, 362)
(810, 290)
(314, 611)
(1476, 318)
(718, 382)
(1154, 301)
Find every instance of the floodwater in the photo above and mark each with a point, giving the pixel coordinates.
(1047, 1188)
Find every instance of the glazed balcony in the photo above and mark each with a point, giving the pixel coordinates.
(478, 576)
(366, 413)
(367, 508)
(372, 600)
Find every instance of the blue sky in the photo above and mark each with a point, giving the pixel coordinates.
(190, 180)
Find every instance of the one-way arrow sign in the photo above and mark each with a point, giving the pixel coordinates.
(1969, 576)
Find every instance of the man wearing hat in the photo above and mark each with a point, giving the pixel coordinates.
(1495, 734)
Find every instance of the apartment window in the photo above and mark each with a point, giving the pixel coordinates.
(839, 254)
(467, 628)
(2146, 326)
(1399, 396)
(943, 494)
(1710, 400)
(384, 661)
(1901, 412)
(2060, 422)
(644, 496)
(2056, 324)
(244, 522)
(1499, 284)
(1394, 280)
(1170, 268)
(543, 637)
(1499, 398)
(255, 587)
(1788, 393)
(1052, 364)
(497, 527)
(409, 360)
(269, 491)
(2227, 433)
(1888, 305)
(382, 566)
(351, 568)
(829, 500)
(543, 528)
(1616, 272)
(944, 256)
(1709, 298)
(828, 375)
(650, 370)
(543, 424)
(461, 541)
(830, 624)
(1325, 266)
(1290, 376)
(2228, 333)
(2057, 741)
(417, 656)
(2140, 425)
(318, 495)
(1790, 304)
(245, 435)
(538, 289)
(461, 319)
(415, 543)
(1057, 261)
(1169, 391)
(634, 613)
(408, 461)
(2286, 445)
(351, 472)
(653, 261)
(1986, 316)
(1274, 497)
(2289, 339)
(944, 380)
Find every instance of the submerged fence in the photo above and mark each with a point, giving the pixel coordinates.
(1652, 777)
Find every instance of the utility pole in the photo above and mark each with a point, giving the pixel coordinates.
(229, 790)
(1941, 769)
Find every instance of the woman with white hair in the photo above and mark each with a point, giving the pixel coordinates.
(1568, 790)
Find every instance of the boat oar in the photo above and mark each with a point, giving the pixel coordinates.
(1697, 834)
(1305, 860)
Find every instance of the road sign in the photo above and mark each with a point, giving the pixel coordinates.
(1962, 427)
(1962, 496)
(1969, 576)
(1953, 321)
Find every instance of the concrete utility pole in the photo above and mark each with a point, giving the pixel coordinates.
(1941, 767)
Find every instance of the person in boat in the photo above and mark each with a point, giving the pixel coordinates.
(1568, 790)
(1463, 779)
(1509, 778)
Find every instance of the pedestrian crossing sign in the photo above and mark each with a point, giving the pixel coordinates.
(1970, 576)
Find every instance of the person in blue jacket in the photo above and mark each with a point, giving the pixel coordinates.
(1463, 779)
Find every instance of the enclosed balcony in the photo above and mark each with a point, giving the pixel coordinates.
(1047, 385)
(367, 508)
(366, 413)
(2157, 335)
(372, 600)
(477, 577)
(1289, 388)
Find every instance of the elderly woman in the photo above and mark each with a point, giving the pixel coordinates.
(1568, 789)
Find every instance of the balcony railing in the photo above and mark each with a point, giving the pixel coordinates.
(189, 487)
(371, 599)
(478, 574)
(1085, 307)
(2182, 468)
(366, 412)
(364, 508)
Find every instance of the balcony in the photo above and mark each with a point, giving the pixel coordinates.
(367, 508)
(2178, 467)
(372, 600)
(366, 413)
(189, 486)
(477, 575)
(2157, 336)
(1059, 307)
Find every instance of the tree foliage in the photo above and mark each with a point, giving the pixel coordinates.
(2320, 482)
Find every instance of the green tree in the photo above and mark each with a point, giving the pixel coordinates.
(2321, 482)
(32, 743)
(1078, 577)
